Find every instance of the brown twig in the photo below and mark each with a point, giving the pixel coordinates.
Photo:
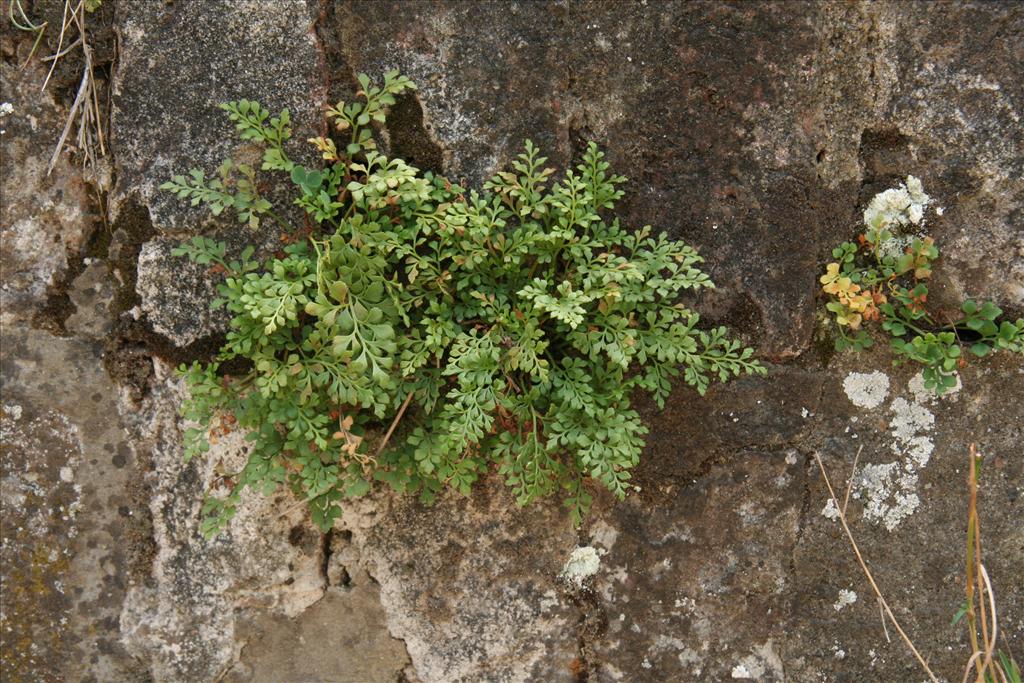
(973, 556)
(849, 483)
(394, 423)
(978, 580)
(870, 577)
(990, 642)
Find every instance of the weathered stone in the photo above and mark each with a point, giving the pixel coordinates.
(177, 305)
(183, 619)
(915, 550)
(757, 132)
(471, 586)
(67, 469)
(343, 638)
(177, 63)
(44, 219)
(748, 413)
(699, 585)
(91, 293)
(754, 149)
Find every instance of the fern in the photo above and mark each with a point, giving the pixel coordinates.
(507, 328)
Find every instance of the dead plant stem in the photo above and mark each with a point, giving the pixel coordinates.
(394, 423)
(870, 577)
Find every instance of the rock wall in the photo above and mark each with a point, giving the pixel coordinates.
(756, 132)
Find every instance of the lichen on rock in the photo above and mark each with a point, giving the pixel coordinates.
(583, 563)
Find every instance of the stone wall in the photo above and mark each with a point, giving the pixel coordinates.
(755, 131)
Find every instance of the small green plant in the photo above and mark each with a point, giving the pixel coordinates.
(508, 327)
(882, 278)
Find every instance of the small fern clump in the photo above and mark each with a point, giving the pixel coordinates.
(424, 334)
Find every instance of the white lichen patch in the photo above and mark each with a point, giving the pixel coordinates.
(763, 662)
(740, 671)
(911, 423)
(846, 598)
(909, 418)
(830, 511)
(583, 563)
(895, 209)
(899, 211)
(888, 493)
(866, 390)
(889, 490)
(5, 109)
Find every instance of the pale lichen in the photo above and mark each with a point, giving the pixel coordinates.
(888, 492)
(846, 598)
(898, 207)
(910, 424)
(582, 564)
(830, 511)
(866, 390)
(900, 210)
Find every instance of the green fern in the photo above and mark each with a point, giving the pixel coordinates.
(506, 329)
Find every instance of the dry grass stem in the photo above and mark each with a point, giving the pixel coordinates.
(86, 106)
(870, 577)
(885, 628)
(849, 483)
(978, 588)
(394, 423)
(64, 23)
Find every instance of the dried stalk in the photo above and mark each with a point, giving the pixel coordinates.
(870, 577)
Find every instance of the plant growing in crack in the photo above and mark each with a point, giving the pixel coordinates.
(424, 334)
(882, 277)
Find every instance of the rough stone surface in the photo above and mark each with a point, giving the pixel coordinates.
(919, 561)
(66, 465)
(178, 62)
(44, 219)
(758, 150)
(699, 584)
(170, 302)
(91, 293)
(343, 638)
(183, 618)
(471, 585)
(756, 131)
(67, 469)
